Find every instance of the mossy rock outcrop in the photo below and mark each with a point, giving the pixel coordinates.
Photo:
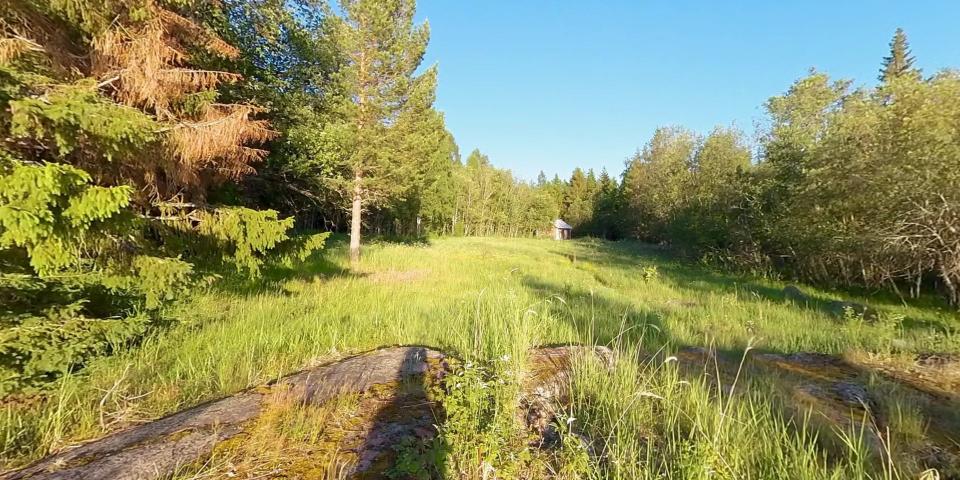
(852, 395)
(367, 406)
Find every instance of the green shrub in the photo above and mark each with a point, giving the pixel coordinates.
(480, 403)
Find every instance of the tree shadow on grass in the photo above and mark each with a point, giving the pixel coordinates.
(598, 319)
(833, 304)
(829, 384)
(273, 277)
(623, 253)
(829, 302)
(408, 240)
(326, 264)
(687, 275)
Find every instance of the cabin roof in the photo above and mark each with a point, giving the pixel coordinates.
(561, 225)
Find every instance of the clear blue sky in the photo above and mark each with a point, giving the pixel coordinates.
(541, 85)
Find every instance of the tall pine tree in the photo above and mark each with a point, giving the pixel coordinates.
(386, 117)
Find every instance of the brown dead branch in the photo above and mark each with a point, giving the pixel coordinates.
(218, 140)
(150, 65)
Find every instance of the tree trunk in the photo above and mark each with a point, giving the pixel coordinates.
(953, 293)
(355, 222)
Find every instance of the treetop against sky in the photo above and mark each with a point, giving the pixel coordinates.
(555, 85)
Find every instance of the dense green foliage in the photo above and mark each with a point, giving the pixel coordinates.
(868, 192)
(848, 187)
(480, 199)
(475, 198)
(112, 141)
(50, 218)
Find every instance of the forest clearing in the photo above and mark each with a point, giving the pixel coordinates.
(490, 301)
(261, 239)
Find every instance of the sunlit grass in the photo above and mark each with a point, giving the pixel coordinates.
(482, 299)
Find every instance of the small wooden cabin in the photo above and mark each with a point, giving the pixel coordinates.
(562, 230)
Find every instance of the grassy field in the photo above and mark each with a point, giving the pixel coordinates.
(485, 300)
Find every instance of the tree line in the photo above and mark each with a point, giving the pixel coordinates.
(475, 198)
(846, 186)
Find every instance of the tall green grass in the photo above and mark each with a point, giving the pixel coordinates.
(484, 299)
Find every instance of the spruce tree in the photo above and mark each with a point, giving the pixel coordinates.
(606, 206)
(579, 198)
(900, 61)
(106, 113)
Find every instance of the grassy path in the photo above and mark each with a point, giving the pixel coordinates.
(485, 299)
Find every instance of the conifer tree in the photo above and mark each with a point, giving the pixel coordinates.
(142, 62)
(387, 120)
(107, 110)
(578, 201)
(900, 61)
(607, 206)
